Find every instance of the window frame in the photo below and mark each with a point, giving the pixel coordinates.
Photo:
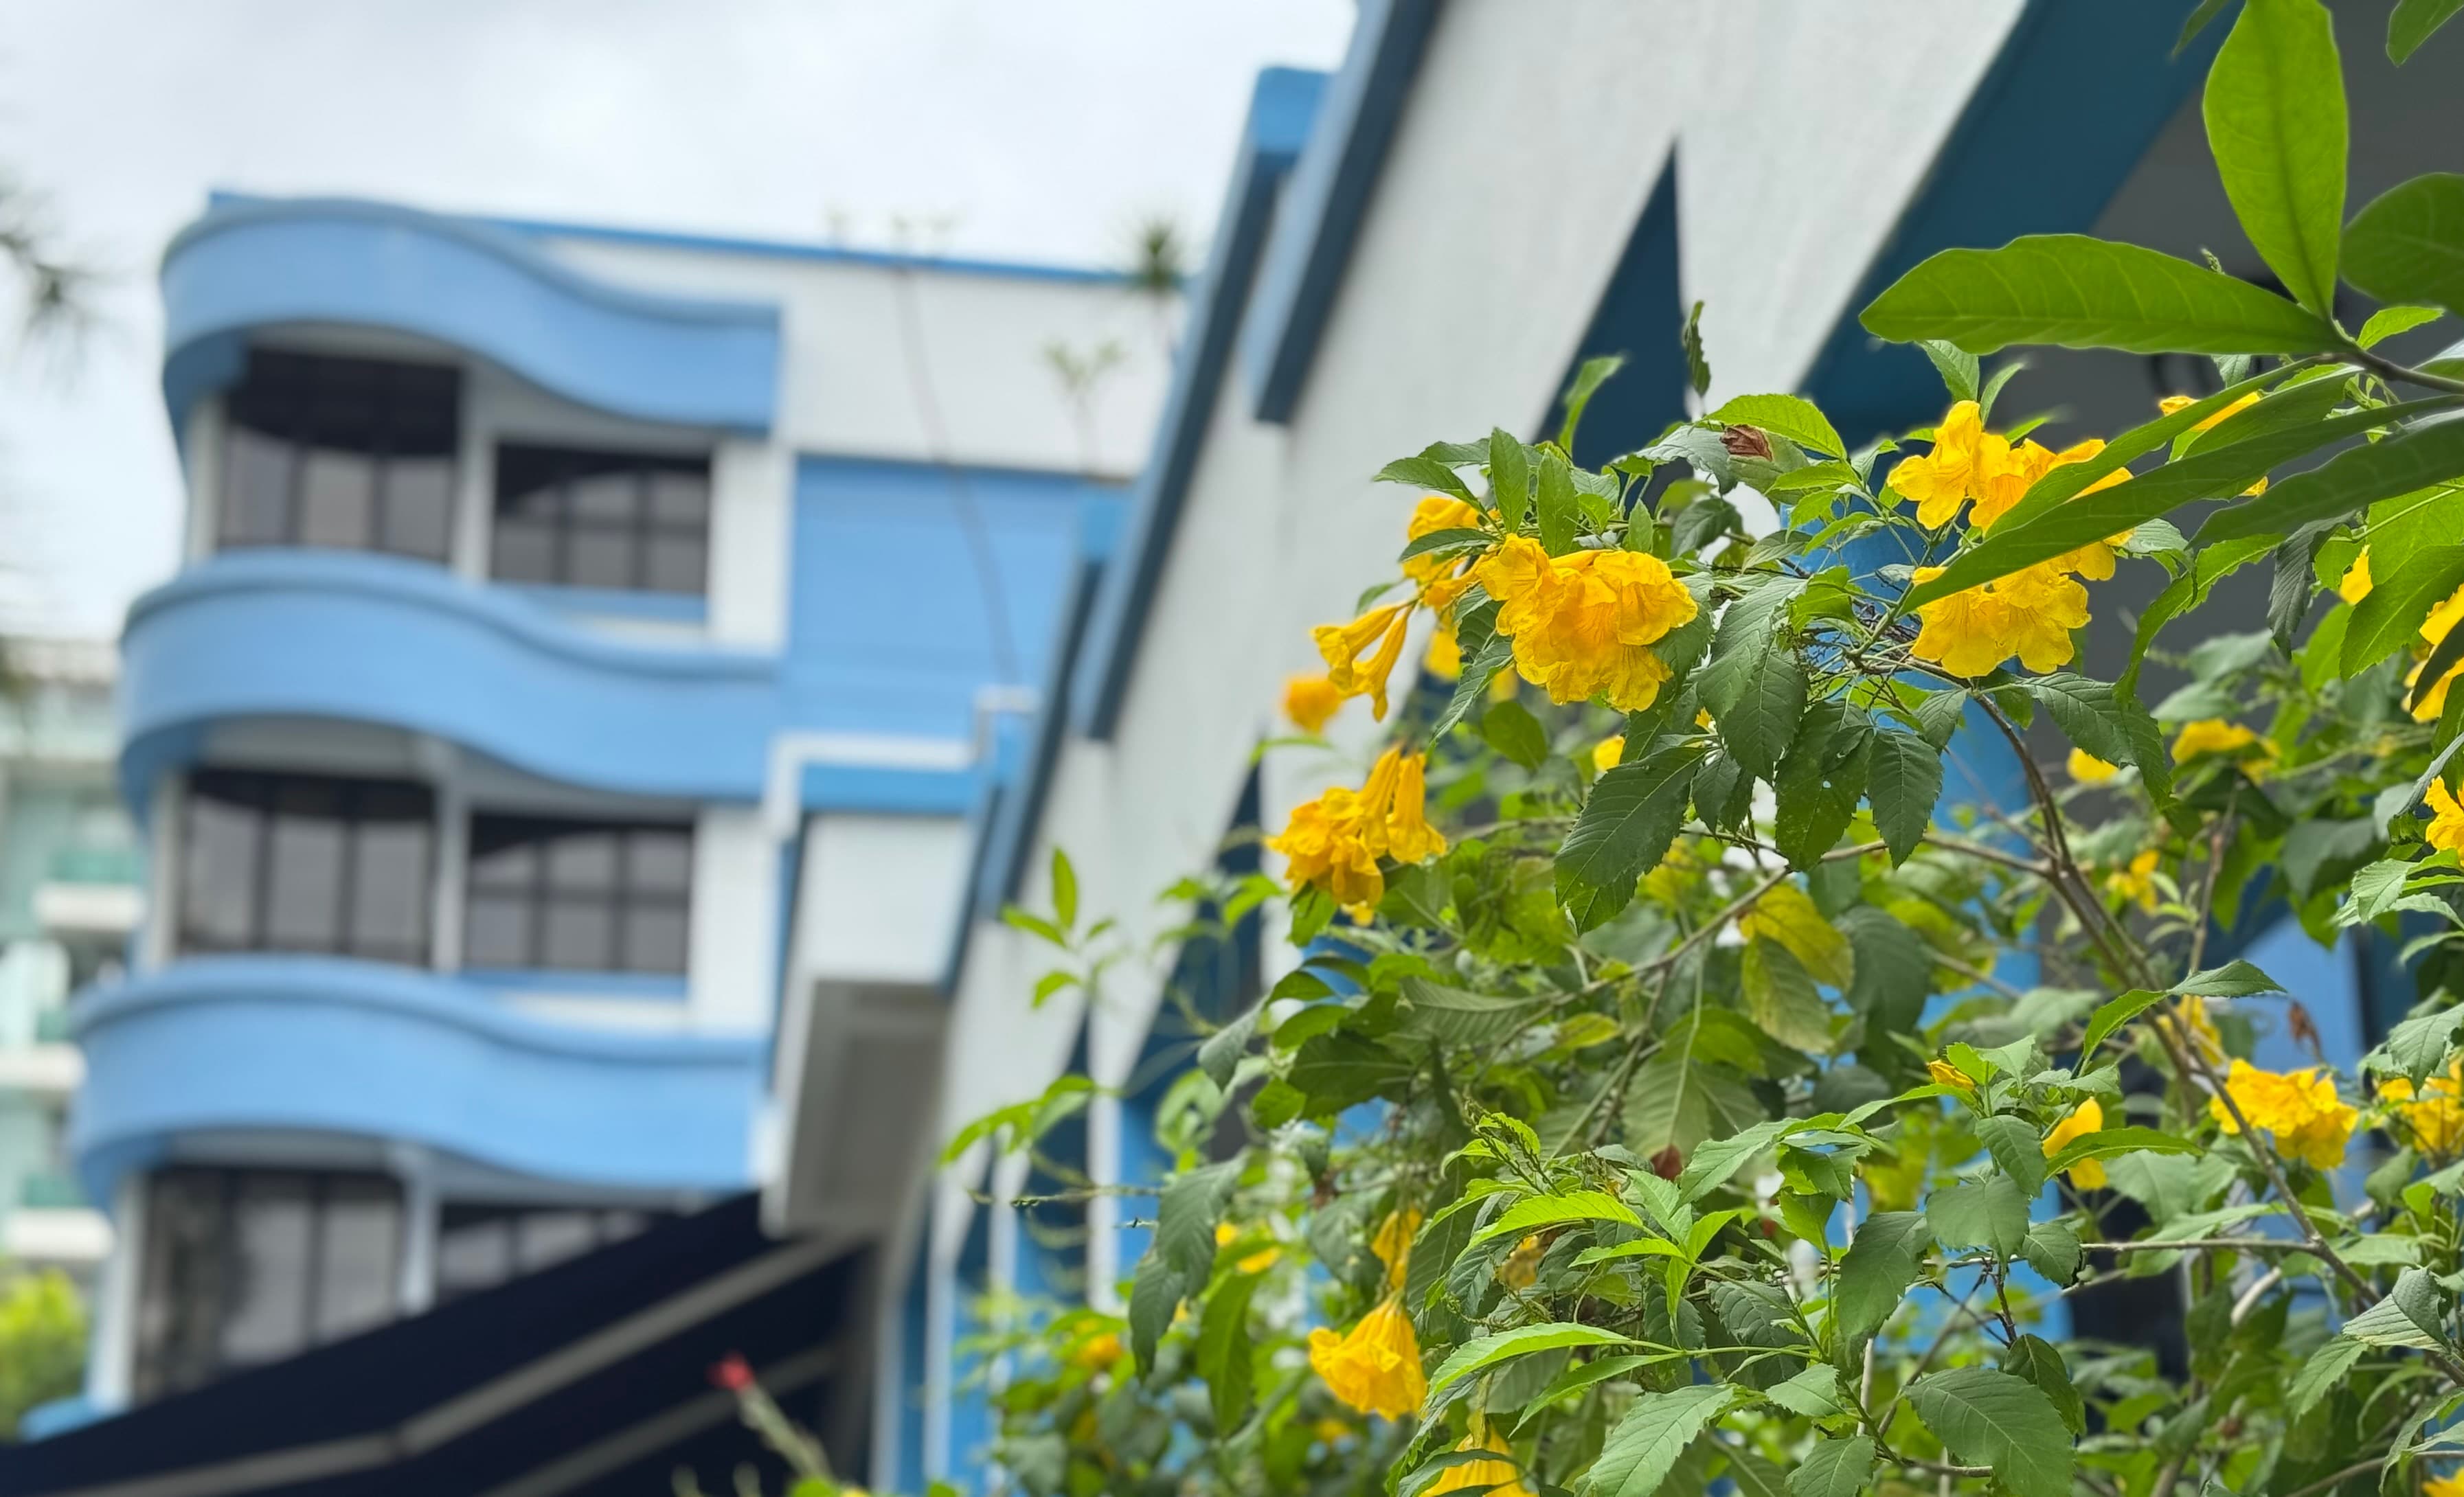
(573, 463)
(271, 367)
(541, 893)
(351, 792)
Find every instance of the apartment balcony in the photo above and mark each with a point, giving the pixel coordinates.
(334, 1046)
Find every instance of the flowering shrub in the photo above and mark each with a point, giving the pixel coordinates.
(1677, 1084)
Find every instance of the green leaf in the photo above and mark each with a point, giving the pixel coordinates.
(1818, 785)
(2110, 725)
(2391, 617)
(1224, 1351)
(2212, 470)
(1886, 1257)
(2418, 1046)
(2113, 1017)
(1814, 1393)
(1626, 826)
(2034, 1359)
(1894, 972)
(1992, 1212)
(1457, 540)
(1677, 1102)
(1154, 1297)
(1221, 1053)
(1192, 1203)
(1643, 1447)
(1834, 1468)
(2411, 23)
(1479, 670)
(1583, 1374)
(2082, 293)
(2236, 979)
(1556, 512)
(1510, 477)
(2106, 1142)
(1958, 367)
(2408, 244)
(1511, 728)
(2320, 1373)
(1797, 419)
(2015, 1149)
(2053, 1249)
(1988, 1418)
(1759, 725)
(1459, 1017)
(2388, 321)
(1425, 473)
(1902, 780)
(1339, 1070)
(1698, 369)
(2187, 592)
(2198, 22)
(1780, 997)
(1482, 1353)
(2416, 457)
(1588, 379)
(2410, 1315)
(1522, 1217)
(2274, 110)
(1710, 1165)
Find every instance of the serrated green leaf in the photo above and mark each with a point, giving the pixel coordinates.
(1335, 1071)
(2320, 1373)
(1743, 638)
(1154, 1297)
(1834, 1468)
(2053, 1249)
(2236, 979)
(1224, 1357)
(1511, 728)
(1875, 1272)
(1698, 368)
(1221, 1052)
(1797, 419)
(1780, 997)
(1472, 687)
(2034, 1359)
(2388, 321)
(1556, 509)
(1903, 781)
(2108, 1142)
(2078, 291)
(2113, 1017)
(1988, 1418)
(1460, 1017)
(2408, 244)
(1533, 1212)
(1990, 1213)
(1626, 824)
(1814, 1393)
(2410, 1315)
(2275, 111)
(1643, 1447)
(1712, 1163)
(1482, 1353)
(2015, 1149)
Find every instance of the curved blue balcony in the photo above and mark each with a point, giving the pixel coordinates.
(253, 264)
(355, 1048)
(365, 638)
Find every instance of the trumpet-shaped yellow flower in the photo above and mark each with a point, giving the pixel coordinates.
(1312, 701)
(2088, 769)
(2300, 1108)
(2446, 1484)
(1499, 1478)
(1945, 1074)
(1940, 481)
(2192, 1013)
(2213, 735)
(2181, 402)
(1583, 624)
(2445, 830)
(1376, 634)
(1444, 659)
(2006, 477)
(2442, 618)
(2435, 1117)
(2136, 882)
(2029, 614)
(2085, 1118)
(1609, 752)
(1392, 1244)
(1436, 512)
(2355, 584)
(1335, 840)
(1375, 1366)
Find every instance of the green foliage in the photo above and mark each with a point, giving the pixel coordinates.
(1713, 1138)
(42, 1342)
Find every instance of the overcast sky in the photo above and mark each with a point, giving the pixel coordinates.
(1043, 129)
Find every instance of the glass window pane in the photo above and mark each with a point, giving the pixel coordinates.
(389, 891)
(473, 1253)
(611, 498)
(582, 860)
(677, 496)
(357, 1271)
(257, 488)
(271, 1237)
(524, 551)
(654, 940)
(659, 861)
(676, 564)
(497, 930)
(218, 876)
(599, 557)
(579, 935)
(550, 1237)
(418, 507)
(181, 1285)
(337, 499)
(304, 882)
(504, 867)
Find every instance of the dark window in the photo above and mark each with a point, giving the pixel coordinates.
(307, 862)
(355, 453)
(578, 896)
(480, 1247)
(579, 518)
(246, 1267)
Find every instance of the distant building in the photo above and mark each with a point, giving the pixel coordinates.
(71, 896)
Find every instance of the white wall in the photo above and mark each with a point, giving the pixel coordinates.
(734, 930)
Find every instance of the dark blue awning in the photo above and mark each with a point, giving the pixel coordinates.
(585, 1378)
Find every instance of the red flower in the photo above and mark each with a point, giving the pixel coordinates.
(1668, 1163)
(731, 1372)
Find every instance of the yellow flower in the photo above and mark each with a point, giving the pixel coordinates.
(2088, 769)
(2300, 1108)
(1436, 512)
(1331, 1430)
(1335, 840)
(1941, 480)
(2029, 614)
(2213, 735)
(2192, 1013)
(1945, 1074)
(1583, 624)
(2355, 584)
(1310, 701)
(1444, 659)
(1499, 1478)
(2045, 606)
(2447, 1484)
(1343, 644)
(1392, 1244)
(2181, 402)
(1521, 1268)
(1608, 752)
(2436, 1119)
(1375, 1366)
(2138, 882)
(2087, 1118)
(2446, 819)
(1099, 1352)
(2007, 477)
(2443, 618)
(1258, 1262)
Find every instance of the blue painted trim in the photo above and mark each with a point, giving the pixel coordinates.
(611, 602)
(358, 1048)
(467, 285)
(2035, 152)
(1281, 108)
(1329, 192)
(665, 987)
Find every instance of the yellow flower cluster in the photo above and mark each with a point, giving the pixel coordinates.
(1584, 623)
(2181, 402)
(2300, 1108)
(1392, 1244)
(2436, 1119)
(1499, 1478)
(2214, 736)
(2031, 613)
(2442, 618)
(1335, 840)
(1360, 656)
(1312, 701)
(2085, 1118)
(1375, 1366)
(1258, 1261)
(2136, 884)
(2445, 830)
